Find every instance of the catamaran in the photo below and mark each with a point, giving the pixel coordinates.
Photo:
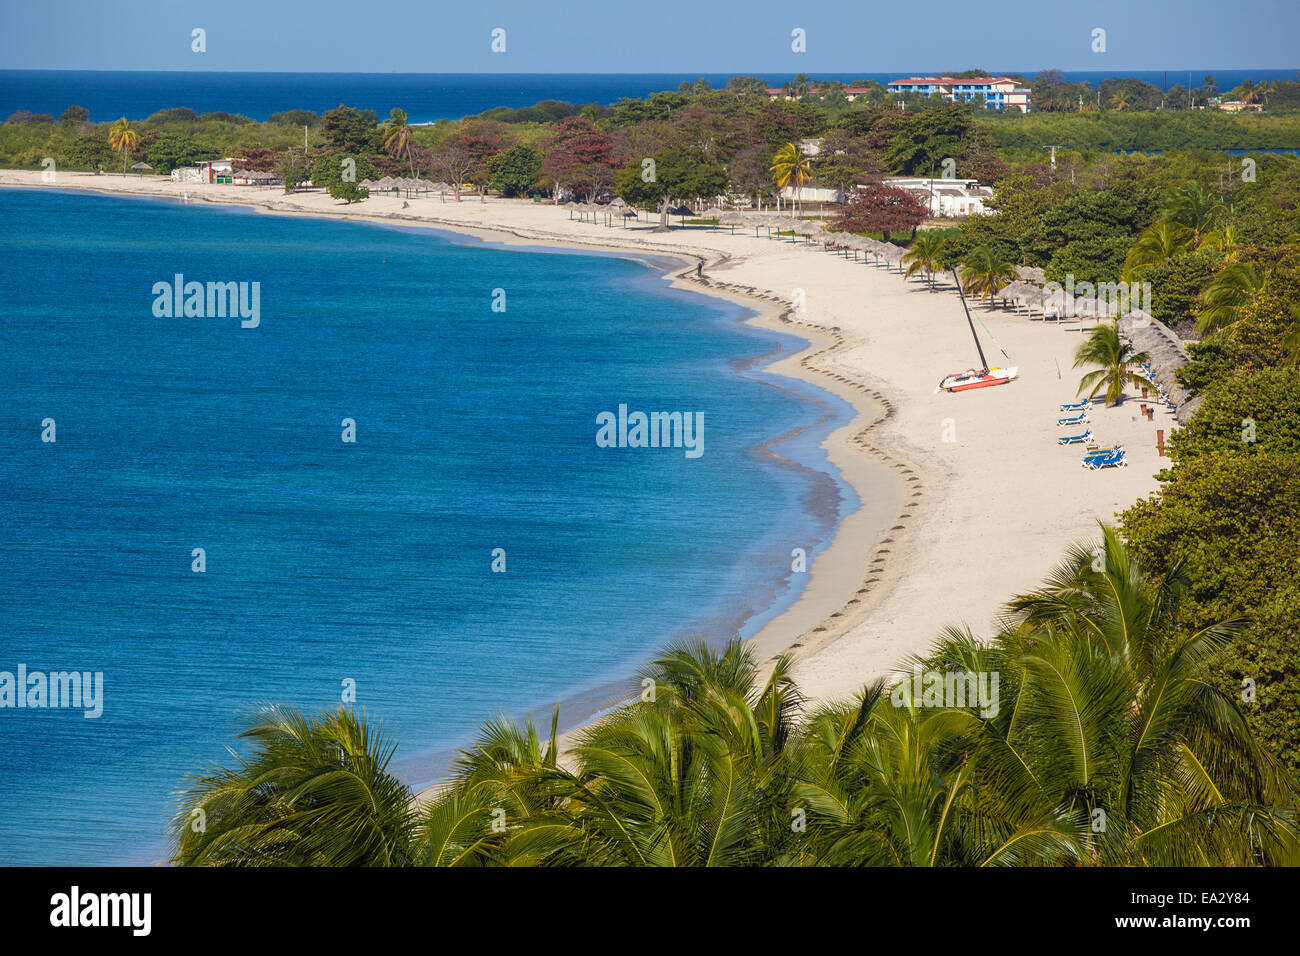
(982, 377)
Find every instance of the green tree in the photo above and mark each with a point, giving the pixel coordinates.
(397, 137)
(123, 139)
(791, 169)
(1224, 297)
(313, 792)
(1117, 361)
(982, 272)
(926, 254)
(515, 171)
(676, 174)
(1230, 516)
(173, 149)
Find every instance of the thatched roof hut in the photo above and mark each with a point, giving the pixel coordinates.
(1166, 353)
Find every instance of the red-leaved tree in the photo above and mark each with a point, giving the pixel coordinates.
(876, 207)
(580, 157)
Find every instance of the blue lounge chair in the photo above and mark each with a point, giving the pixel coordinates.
(1075, 439)
(1114, 460)
(1079, 419)
(1075, 407)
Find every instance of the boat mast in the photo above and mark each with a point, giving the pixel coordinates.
(984, 363)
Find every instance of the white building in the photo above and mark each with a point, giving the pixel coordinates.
(945, 198)
(811, 192)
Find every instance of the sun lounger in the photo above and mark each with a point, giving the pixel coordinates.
(1075, 439)
(1075, 406)
(1114, 460)
(1102, 452)
(1079, 419)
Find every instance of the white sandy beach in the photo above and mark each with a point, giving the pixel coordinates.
(969, 523)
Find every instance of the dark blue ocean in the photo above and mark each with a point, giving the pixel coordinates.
(369, 562)
(425, 97)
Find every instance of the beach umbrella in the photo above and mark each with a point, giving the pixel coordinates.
(1031, 274)
(1015, 291)
(733, 219)
(891, 253)
(142, 167)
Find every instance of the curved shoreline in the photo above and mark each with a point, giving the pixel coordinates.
(833, 606)
(1001, 497)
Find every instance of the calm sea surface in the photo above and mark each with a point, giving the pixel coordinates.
(369, 562)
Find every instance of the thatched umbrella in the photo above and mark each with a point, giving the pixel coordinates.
(892, 253)
(142, 167)
(715, 213)
(1031, 274)
(1015, 291)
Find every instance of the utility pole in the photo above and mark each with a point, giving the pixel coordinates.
(1053, 149)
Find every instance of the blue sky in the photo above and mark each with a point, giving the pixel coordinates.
(648, 36)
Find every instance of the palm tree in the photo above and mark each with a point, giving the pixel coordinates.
(1196, 209)
(1111, 710)
(926, 254)
(1230, 289)
(1226, 238)
(123, 138)
(1119, 99)
(1157, 245)
(397, 137)
(790, 167)
(1117, 362)
(983, 272)
(314, 792)
(915, 786)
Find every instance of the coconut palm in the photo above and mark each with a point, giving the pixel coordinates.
(1120, 100)
(397, 137)
(1114, 717)
(1117, 361)
(314, 792)
(1230, 289)
(790, 167)
(1226, 238)
(1196, 209)
(926, 254)
(890, 782)
(985, 273)
(1157, 245)
(123, 138)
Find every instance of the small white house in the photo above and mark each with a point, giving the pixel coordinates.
(945, 198)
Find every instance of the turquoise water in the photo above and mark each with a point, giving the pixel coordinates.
(369, 561)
